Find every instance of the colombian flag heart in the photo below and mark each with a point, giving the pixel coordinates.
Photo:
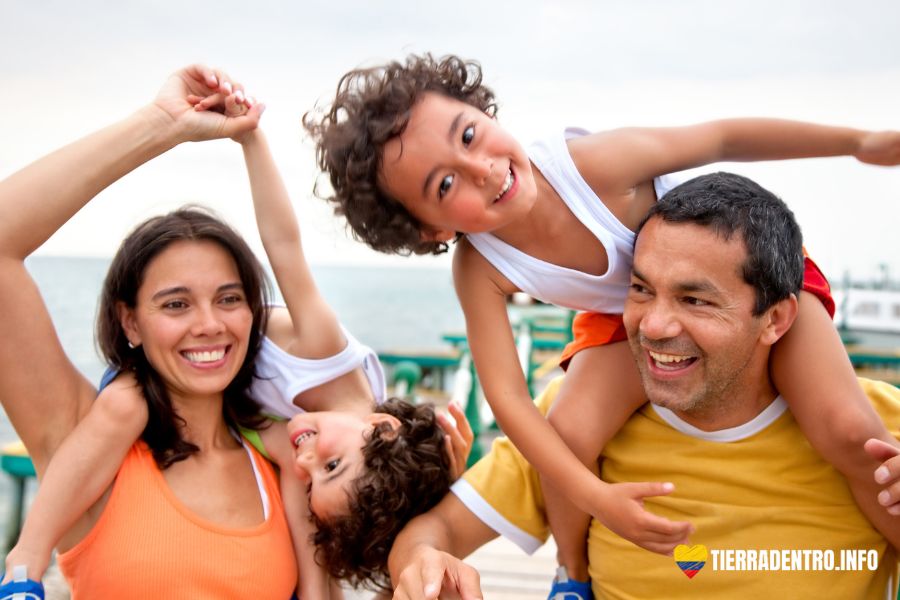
(690, 559)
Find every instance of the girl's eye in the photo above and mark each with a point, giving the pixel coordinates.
(444, 186)
(332, 465)
(232, 299)
(175, 304)
(468, 135)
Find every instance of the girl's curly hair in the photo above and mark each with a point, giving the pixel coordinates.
(406, 472)
(371, 107)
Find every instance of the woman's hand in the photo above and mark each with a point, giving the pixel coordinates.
(194, 98)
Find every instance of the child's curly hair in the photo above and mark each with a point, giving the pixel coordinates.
(406, 472)
(371, 107)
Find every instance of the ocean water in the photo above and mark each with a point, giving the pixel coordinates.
(385, 308)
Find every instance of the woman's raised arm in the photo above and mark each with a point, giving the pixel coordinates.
(42, 392)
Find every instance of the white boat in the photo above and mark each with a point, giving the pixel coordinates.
(868, 309)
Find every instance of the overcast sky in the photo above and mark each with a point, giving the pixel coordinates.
(70, 67)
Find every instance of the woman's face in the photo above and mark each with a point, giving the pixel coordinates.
(191, 318)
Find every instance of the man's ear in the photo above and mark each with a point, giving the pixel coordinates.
(387, 425)
(427, 234)
(129, 324)
(779, 319)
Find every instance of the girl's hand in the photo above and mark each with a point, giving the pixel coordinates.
(196, 124)
(880, 148)
(888, 474)
(236, 104)
(459, 439)
(621, 509)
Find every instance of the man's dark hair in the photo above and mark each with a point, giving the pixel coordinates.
(406, 472)
(730, 204)
(372, 106)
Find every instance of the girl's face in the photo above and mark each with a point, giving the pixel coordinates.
(455, 170)
(191, 318)
(328, 454)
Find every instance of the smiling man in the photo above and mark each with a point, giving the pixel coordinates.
(718, 267)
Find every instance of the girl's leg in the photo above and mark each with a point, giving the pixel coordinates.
(810, 368)
(82, 469)
(600, 392)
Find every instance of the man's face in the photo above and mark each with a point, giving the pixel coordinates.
(690, 323)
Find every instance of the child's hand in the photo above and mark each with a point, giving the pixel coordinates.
(234, 104)
(621, 510)
(880, 148)
(179, 96)
(888, 474)
(459, 439)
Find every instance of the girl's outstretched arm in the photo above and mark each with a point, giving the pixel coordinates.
(81, 471)
(42, 392)
(317, 333)
(617, 160)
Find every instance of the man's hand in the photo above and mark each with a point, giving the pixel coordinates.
(620, 508)
(888, 474)
(437, 575)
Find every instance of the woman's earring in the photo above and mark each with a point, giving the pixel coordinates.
(130, 345)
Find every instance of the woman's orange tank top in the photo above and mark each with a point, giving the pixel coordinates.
(148, 546)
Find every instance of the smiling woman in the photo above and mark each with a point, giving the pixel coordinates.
(183, 289)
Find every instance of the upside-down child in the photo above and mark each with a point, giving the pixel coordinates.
(416, 159)
(307, 365)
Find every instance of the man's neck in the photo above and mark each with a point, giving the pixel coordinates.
(734, 408)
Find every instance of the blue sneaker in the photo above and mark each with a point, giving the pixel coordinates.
(566, 589)
(21, 588)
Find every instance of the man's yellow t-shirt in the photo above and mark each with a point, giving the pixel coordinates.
(761, 499)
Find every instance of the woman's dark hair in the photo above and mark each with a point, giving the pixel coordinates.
(371, 107)
(124, 279)
(406, 472)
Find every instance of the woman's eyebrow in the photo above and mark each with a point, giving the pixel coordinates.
(183, 289)
(178, 289)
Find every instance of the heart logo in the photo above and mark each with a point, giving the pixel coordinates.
(690, 559)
